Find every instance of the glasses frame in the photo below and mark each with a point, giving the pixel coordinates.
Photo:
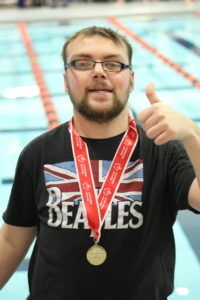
(73, 62)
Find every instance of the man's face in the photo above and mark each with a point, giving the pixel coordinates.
(96, 94)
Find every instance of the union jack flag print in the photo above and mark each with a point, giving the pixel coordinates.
(64, 176)
(65, 205)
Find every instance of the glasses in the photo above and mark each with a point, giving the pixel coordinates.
(86, 64)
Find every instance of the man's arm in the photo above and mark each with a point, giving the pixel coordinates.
(193, 197)
(162, 124)
(14, 243)
(192, 146)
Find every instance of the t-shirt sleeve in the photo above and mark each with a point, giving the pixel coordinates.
(181, 176)
(21, 209)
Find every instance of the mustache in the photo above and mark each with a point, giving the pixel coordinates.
(99, 85)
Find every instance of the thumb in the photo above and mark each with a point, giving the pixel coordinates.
(151, 94)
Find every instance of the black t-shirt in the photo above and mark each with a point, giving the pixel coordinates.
(137, 232)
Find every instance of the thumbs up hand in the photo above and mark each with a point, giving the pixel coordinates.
(161, 122)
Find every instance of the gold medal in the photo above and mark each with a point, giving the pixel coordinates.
(96, 255)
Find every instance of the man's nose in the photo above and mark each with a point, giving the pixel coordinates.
(98, 71)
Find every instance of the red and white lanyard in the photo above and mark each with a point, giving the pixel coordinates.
(95, 206)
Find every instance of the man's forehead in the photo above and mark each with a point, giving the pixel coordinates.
(87, 41)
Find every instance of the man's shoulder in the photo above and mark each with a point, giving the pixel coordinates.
(46, 139)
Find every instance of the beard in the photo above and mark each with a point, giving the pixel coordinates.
(96, 115)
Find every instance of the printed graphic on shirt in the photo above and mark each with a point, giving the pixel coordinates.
(65, 206)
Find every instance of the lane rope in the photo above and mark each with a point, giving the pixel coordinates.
(38, 74)
(176, 67)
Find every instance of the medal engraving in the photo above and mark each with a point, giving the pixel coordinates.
(96, 255)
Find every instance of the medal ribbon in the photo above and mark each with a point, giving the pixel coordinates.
(97, 207)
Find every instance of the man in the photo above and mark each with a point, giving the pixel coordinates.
(100, 193)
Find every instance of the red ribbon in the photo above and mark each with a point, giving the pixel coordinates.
(97, 207)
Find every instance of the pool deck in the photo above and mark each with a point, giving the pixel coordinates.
(92, 10)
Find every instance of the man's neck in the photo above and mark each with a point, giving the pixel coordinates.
(91, 129)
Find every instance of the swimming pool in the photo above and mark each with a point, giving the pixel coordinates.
(159, 44)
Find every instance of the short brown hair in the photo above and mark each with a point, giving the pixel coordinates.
(102, 31)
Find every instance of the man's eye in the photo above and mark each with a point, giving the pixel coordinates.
(112, 65)
(81, 63)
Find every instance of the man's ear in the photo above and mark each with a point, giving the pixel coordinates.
(65, 82)
(131, 82)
